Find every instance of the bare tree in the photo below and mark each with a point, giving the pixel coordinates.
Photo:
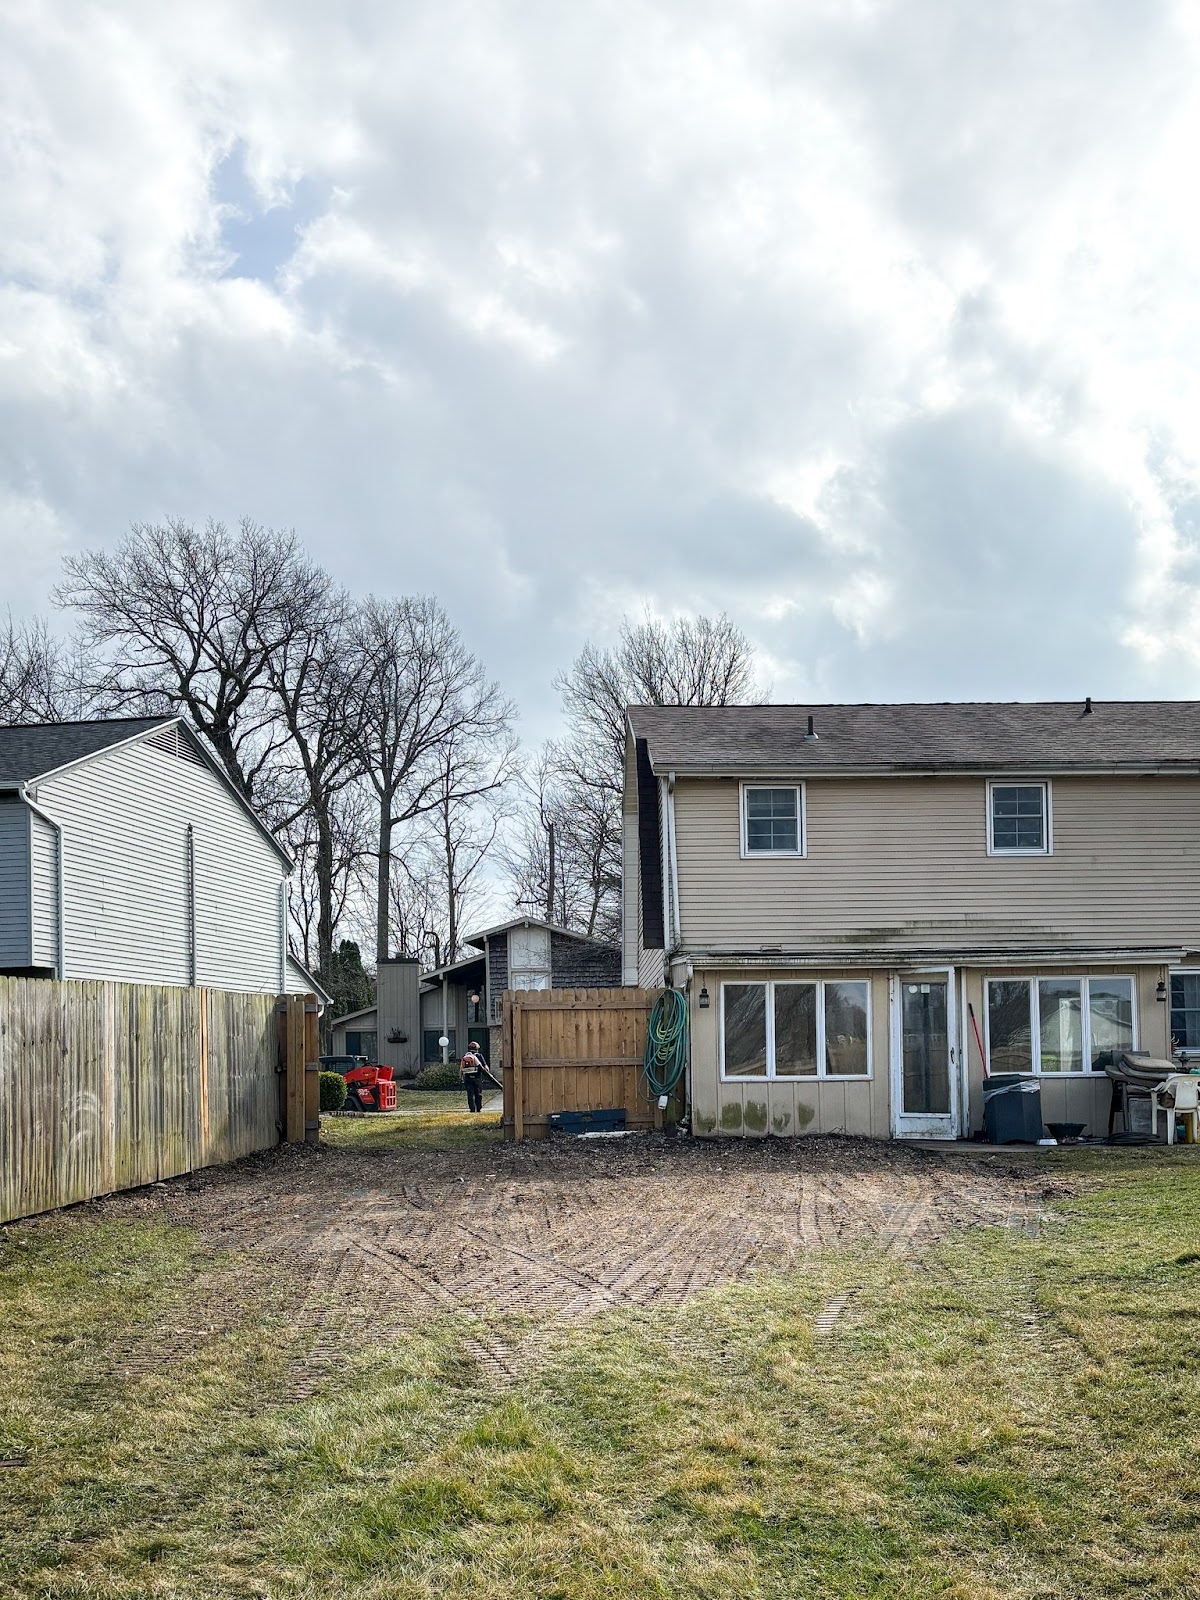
(46, 679)
(309, 681)
(567, 848)
(350, 866)
(189, 620)
(420, 692)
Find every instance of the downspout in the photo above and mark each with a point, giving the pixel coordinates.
(191, 905)
(445, 1019)
(664, 841)
(60, 938)
(673, 862)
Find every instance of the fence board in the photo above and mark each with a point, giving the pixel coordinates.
(105, 1086)
(574, 1050)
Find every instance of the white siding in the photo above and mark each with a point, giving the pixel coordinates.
(124, 817)
(14, 884)
(903, 863)
(44, 842)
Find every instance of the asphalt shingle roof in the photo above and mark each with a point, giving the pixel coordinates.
(1005, 736)
(30, 751)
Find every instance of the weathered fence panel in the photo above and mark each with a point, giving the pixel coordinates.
(104, 1086)
(574, 1050)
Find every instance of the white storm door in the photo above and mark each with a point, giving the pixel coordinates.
(924, 1055)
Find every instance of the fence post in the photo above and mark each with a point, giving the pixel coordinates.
(518, 1080)
(295, 1069)
(312, 1070)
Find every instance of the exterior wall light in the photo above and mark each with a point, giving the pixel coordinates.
(1160, 993)
(704, 997)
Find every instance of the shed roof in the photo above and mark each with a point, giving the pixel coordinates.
(482, 937)
(947, 736)
(31, 750)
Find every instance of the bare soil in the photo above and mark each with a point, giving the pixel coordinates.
(351, 1245)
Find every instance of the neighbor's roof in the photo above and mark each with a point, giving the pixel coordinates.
(535, 922)
(35, 749)
(1003, 736)
(353, 1016)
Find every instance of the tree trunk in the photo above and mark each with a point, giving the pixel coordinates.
(550, 885)
(384, 881)
(324, 893)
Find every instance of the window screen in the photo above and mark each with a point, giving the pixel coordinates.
(1060, 1012)
(1185, 1010)
(1110, 1013)
(745, 1025)
(846, 1029)
(795, 1030)
(1010, 1030)
(772, 821)
(1019, 816)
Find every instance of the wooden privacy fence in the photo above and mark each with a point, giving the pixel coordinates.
(104, 1086)
(574, 1050)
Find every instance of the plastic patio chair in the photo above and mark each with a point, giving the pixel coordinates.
(1182, 1095)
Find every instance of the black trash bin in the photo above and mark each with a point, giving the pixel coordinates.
(1012, 1109)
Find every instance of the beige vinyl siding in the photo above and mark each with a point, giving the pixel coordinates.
(44, 846)
(758, 1106)
(124, 816)
(14, 884)
(903, 863)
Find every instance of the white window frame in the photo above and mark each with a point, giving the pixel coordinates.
(821, 1075)
(1047, 815)
(801, 821)
(1189, 1052)
(1035, 1015)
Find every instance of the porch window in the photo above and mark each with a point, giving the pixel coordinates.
(796, 1030)
(772, 820)
(1058, 1025)
(1018, 819)
(744, 1030)
(1185, 1011)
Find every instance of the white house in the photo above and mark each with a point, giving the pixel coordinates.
(126, 853)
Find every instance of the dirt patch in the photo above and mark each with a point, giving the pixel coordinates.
(356, 1244)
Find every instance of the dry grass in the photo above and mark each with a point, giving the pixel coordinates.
(1003, 1416)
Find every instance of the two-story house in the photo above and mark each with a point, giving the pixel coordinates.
(865, 902)
(127, 854)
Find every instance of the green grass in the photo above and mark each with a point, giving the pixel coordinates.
(439, 1127)
(1011, 1416)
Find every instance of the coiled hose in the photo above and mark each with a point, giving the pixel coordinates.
(666, 1044)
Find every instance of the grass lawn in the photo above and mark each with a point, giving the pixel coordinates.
(1003, 1416)
(443, 1120)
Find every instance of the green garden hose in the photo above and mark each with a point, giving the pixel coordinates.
(666, 1044)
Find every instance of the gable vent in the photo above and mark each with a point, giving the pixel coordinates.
(176, 743)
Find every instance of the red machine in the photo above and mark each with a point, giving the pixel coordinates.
(370, 1089)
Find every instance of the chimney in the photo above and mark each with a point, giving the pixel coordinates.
(812, 728)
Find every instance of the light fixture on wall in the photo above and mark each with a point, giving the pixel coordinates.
(704, 997)
(1161, 992)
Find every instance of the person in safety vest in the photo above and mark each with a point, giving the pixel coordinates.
(471, 1071)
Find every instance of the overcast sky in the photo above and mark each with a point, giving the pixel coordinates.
(873, 323)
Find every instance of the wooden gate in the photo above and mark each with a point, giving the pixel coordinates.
(574, 1050)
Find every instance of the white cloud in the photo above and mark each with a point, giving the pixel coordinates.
(872, 323)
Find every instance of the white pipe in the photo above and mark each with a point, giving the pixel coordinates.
(673, 857)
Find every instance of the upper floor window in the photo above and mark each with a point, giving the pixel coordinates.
(772, 820)
(1018, 819)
